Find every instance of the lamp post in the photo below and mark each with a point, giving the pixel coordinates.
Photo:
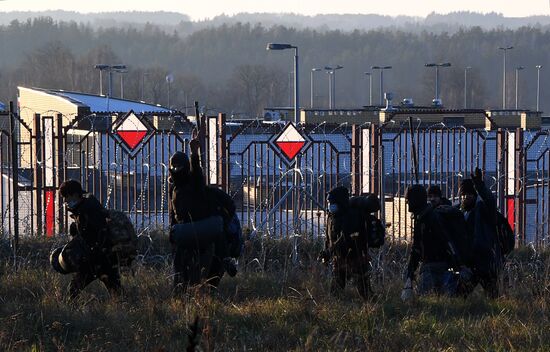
(437, 66)
(504, 50)
(381, 68)
(332, 84)
(277, 46)
(143, 85)
(370, 87)
(519, 68)
(465, 86)
(169, 81)
(538, 86)
(101, 68)
(121, 69)
(312, 88)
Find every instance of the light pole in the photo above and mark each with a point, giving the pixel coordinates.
(370, 87)
(437, 66)
(275, 46)
(381, 68)
(121, 69)
(519, 68)
(169, 81)
(143, 85)
(538, 86)
(504, 50)
(332, 84)
(465, 86)
(101, 68)
(312, 95)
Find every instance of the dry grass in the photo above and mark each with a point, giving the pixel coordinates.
(271, 305)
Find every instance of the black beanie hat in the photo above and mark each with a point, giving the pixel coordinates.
(467, 187)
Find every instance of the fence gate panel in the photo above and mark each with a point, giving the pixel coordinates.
(444, 157)
(127, 175)
(535, 189)
(279, 198)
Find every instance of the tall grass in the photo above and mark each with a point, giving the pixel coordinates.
(272, 304)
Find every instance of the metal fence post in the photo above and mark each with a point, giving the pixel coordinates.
(520, 185)
(60, 171)
(37, 171)
(501, 170)
(356, 150)
(221, 140)
(15, 176)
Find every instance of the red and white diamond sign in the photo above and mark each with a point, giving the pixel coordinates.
(131, 131)
(290, 141)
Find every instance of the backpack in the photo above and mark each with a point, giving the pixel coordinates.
(505, 234)
(375, 232)
(367, 204)
(225, 206)
(455, 224)
(122, 236)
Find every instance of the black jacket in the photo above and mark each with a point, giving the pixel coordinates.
(481, 223)
(91, 222)
(431, 242)
(187, 197)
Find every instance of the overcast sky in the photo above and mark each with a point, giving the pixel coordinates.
(201, 9)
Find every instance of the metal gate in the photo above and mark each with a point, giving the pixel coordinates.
(280, 198)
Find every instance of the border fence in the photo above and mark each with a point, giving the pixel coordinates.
(275, 195)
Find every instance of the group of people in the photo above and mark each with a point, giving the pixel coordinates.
(457, 247)
(193, 208)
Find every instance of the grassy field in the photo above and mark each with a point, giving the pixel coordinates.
(270, 305)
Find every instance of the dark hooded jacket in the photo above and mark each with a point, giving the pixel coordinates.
(431, 242)
(90, 222)
(481, 225)
(346, 229)
(188, 198)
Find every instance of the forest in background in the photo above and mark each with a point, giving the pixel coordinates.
(225, 65)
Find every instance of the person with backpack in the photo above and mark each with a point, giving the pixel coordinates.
(192, 204)
(347, 242)
(479, 207)
(433, 245)
(88, 254)
(435, 198)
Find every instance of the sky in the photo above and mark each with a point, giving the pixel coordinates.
(203, 9)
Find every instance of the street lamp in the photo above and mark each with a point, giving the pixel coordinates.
(312, 96)
(437, 66)
(381, 68)
(101, 68)
(169, 80)
(504, 50)
(121, 69)
(519, 68)
(465, 86)
(370, 87)
(332, 84)
(115, 68)
(277, 46)
(143, 85)
(538, 85)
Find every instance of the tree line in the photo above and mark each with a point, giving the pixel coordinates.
(227, 68)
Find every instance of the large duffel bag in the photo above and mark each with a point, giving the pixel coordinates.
(200, 234)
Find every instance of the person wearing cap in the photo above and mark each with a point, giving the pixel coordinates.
(479, 207)
(346, 245)
(435, 197)
(189, 202)
(88, 252)
(432, 245)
